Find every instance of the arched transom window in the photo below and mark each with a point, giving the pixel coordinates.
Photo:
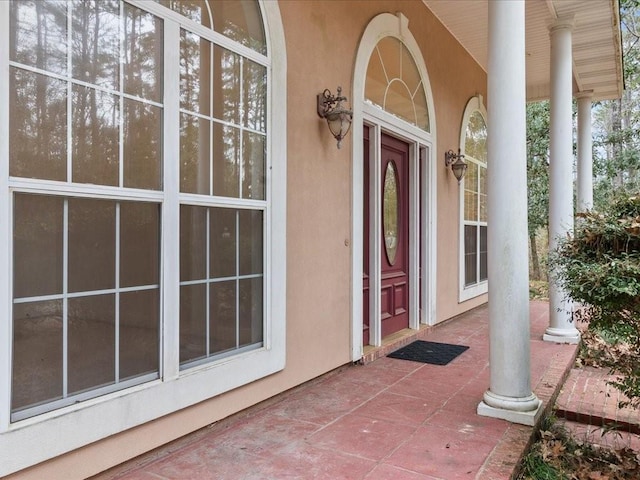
(394, 83)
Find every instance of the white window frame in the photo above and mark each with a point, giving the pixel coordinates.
(27, 442)
(475, 104)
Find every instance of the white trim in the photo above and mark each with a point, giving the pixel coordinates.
(5, 226)
(414, 235)
(381, 26)
(36, 439)
(170, 265)
(475, 104)
(375, 222)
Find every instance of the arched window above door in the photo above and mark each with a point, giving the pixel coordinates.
(394, 83)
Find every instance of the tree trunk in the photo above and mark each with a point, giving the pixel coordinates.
(535, 261)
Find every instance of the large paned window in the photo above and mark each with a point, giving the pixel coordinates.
(100, 154)
(222, 183)
(86, 110)
(474, 204)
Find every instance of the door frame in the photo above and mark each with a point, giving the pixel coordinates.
(419, 242)
(422, 144)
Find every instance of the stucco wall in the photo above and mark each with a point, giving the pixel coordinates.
(322, 39)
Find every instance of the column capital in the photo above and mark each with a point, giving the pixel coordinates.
(584, 94)
(562, 23)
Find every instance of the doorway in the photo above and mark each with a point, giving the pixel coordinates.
(392, 234)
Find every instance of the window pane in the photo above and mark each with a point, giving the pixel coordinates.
(37, 126)
(195, 73)
(222, 329)
(422, 110)
(142, 54)
(399, 102)
(194, 155)
(91, 342)
(95, 134)
(470, 192)
(483, 253)
(139, 332)
(226, 160)
(139, 244)
(193, 243)
(39, 34)
(483, 194)
(193, 322)
(96, 42)
(410, 74)
(196, 10)
(390, 49)
(92, 237)
(254, 96)
(250, 311)
(241, 21)
(253, 164)
(376, 82)
(250, 242)
(37, 353)
(142, 145)
(37, 245)
(470, 255)
(223, 242)
(476, 138)
(226, 93)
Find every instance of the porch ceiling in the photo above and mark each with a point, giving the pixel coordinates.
(597, 56)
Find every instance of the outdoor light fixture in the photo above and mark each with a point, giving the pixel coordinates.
(338, 117)
(456, 162)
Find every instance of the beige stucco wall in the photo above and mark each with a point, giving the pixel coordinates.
(322, 40)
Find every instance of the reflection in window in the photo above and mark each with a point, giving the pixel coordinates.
(89, 335)
(475, 201)
(394, 83)
(239, 20)
(223, 121)
(115, 49)
(390, 217)
(87, 108)
(221, 281)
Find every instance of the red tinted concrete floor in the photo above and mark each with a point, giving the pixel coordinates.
(390, 419)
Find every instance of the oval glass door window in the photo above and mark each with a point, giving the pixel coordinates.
(390, 216)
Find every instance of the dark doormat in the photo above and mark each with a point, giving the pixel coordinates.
(429, 352)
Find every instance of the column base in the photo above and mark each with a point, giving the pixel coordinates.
(562, 335)
(525, 411)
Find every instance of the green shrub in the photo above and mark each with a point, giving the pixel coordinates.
(599, 267)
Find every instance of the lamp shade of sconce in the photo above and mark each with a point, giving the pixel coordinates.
(456, 162)
(338, 117)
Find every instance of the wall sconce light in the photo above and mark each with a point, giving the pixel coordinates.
(338, 117)
(456, 162)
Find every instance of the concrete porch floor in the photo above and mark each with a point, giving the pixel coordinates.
(389, 419)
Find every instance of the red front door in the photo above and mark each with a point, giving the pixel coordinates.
(394, 262)
(393, 236)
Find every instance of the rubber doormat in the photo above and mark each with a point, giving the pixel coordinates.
(429, 352)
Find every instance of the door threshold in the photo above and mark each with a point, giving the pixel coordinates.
(393, 342)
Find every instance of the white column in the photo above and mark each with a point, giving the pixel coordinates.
(585, 153)
(561, 327)
(509, 396)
